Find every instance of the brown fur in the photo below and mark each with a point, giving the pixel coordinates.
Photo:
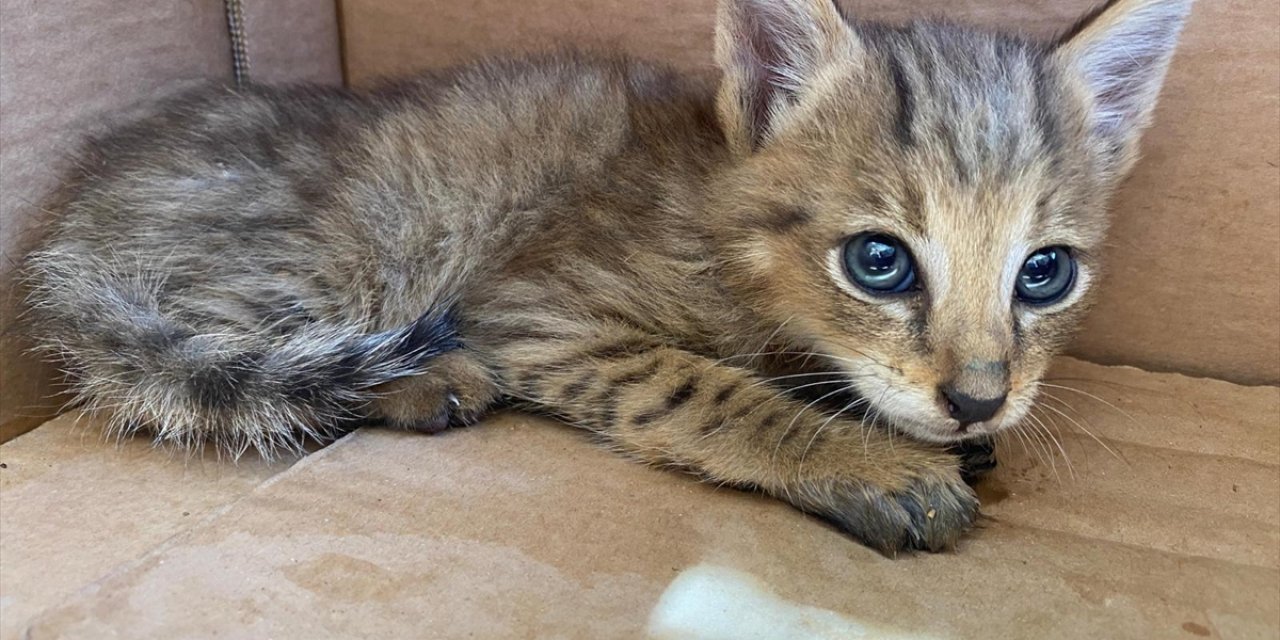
(613, 244)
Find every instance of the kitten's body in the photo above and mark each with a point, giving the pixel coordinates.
(598, 239)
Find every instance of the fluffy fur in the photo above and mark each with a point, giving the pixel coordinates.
(636, 252)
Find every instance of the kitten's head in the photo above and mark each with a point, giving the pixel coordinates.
(925, 204)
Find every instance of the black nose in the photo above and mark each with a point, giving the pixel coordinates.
(968, 409)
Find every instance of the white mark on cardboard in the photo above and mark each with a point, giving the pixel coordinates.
(707, 602)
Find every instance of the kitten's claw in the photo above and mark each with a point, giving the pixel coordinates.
(451, 415)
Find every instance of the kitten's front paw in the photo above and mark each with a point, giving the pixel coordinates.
(930, 511)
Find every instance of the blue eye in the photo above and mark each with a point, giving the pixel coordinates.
(1046, 276)
(879, 263)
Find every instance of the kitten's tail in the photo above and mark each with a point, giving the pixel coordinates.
(264, 389)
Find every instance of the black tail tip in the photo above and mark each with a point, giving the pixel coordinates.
(431, 334)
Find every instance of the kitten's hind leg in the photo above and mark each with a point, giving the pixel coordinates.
(455, 392)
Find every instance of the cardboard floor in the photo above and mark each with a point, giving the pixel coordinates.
(1165, 524)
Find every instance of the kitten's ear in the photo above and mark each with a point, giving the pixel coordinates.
(1121, 51)
(770, 51)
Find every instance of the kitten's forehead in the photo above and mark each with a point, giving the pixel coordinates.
(970, 106)
(977, 141)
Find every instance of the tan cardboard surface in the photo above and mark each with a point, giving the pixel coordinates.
(1196, 245)
(67, 67)
(521, 528)
(73, 507)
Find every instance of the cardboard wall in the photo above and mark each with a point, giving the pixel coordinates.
(69, 66)
(1195, 257)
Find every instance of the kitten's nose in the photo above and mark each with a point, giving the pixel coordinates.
(968, 409)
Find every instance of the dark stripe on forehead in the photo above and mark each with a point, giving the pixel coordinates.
(913, 203)
(873, 200)
(905, 120)
(1018, 67)
(1047, 107)
(943, 127)
(1046, 206)
(780, 218)
(964, 171)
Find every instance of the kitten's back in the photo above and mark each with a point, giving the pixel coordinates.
(265, 257)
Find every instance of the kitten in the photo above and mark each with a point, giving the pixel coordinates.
(907, 219)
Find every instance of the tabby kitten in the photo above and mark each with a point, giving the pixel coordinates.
(904, 218)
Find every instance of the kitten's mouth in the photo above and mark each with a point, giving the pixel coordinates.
(938, 429)
(896, 407)
(952, 431)
(859, 408)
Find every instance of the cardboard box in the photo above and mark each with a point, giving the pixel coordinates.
(1166, 522)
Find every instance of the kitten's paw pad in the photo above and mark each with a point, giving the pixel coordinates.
(930, 513)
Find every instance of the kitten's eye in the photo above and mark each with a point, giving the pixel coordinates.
(879, 263)
(1046, 276)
